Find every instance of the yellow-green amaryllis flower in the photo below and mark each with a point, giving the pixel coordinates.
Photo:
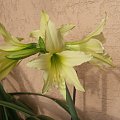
(6, 65)
(92, 44)
(11, 43)
(58, 63)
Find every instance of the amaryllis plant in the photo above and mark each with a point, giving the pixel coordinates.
(56, 57)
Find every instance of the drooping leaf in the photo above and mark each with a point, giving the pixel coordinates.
(61, 103)
(18, 108)
(6, 113)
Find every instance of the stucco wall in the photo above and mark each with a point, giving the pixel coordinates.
(101, 101)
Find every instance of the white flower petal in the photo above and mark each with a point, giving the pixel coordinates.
(74, 58)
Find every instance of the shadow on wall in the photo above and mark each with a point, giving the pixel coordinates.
(92, 78)
(86, 73)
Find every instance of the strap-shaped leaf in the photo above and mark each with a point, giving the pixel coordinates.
(6, 113)
(18, 108)
(71, 105)
(61, 103)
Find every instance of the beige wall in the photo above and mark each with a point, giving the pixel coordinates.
(101, 101)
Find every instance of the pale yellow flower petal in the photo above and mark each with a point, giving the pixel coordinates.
(64, 29)
(6, 68)
(102, 60)
(36, 34)
(9, 47)
(43, 22)
(94, 45)
(54, 40)
(74, 58)
(91, 45)
(8, 37)
(48, 82)
(42, 62)
(98, 31)
(72, 78)
(62, 89)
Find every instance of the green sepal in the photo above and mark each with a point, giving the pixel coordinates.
(21, 54)
(41, 45)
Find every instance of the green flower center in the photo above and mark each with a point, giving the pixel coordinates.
(55, 59)
(56, 67)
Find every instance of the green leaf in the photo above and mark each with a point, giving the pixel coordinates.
(18, 108)
(17, 55)
(71, 105)
(3, 113)
(44, 117)
(62, 103)
(6, 112)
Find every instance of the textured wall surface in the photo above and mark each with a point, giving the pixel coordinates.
(101, 101)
